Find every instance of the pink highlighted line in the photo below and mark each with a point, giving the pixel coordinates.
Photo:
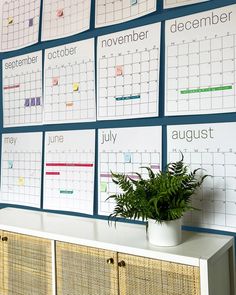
(133, 176)
(52, 173)
(69, 165)
(105, 174)
(11, 87)
(154, 166)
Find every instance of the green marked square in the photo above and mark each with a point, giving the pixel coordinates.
(103, 187)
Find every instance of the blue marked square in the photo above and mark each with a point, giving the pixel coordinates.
(127, 157)
(27, 102)
(133, 2)
(32, 101)
(10, 164)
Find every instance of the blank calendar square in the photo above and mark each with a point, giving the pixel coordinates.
(19, 23)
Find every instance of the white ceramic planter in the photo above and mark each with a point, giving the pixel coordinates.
(167, 233)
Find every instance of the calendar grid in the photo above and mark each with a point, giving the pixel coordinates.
(217, 197)
(69, 92)
(22, 96)
(22, 99)
(65, 18)
(122, 162)
(133, 90)
(201, 76)
(20, 23)
(21, 177)
(69, 180)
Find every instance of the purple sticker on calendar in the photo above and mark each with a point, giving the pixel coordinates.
(27, 102)
(32, 101)
(38, 101)
(31, 22)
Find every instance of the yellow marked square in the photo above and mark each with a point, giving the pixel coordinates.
(10, 20)
(75, 86)
(21, 181)
(103, 187)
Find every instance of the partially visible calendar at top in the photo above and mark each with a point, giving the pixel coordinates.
(19, 23)
(201, 63)
(110, 12)
(65, 18)
(211, 147)
(177, 3)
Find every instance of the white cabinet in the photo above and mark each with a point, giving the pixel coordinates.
(91, 258)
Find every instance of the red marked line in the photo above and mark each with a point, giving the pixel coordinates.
(52, 173)
(11, 87)
(69, 165)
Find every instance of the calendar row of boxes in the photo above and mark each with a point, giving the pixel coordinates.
(73, 176)
(124, 82)
(20, 21)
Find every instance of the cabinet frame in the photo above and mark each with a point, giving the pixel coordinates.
(213, 254)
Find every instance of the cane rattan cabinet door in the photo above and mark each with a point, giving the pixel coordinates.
(144, 276)
(1, 263)
(84, 270)
(27, 265)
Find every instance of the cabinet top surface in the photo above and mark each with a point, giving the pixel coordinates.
(127, 238)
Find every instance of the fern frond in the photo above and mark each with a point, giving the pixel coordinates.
(165, 195)
(151, 174)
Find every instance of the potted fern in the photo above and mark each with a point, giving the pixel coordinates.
(161, 200)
